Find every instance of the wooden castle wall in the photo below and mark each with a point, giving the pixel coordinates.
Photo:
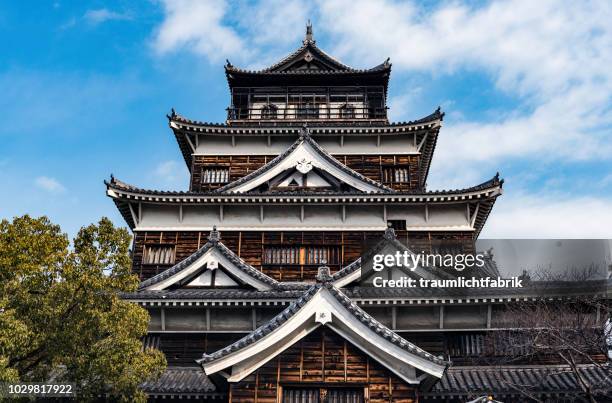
(322, 360)
(250, 246)
(374, 167)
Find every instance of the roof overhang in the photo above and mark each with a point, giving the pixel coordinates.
(425, 129)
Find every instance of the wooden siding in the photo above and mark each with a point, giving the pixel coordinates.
(322, 360)
(371, 166)
(250, 246)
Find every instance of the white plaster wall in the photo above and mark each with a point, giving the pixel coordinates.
(258, 145)
(315, 216)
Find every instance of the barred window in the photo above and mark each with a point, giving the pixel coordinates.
(465, 345)
(396, 175)
(316, 395)
(158, 254)
(215, 175)
(302, 255)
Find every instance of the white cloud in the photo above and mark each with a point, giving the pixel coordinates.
(239, 31)
(170, 173)
(550, 216)
(198, 25)
(102, 15)
(51, 185)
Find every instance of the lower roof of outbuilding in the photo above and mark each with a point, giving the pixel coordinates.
(520, 381)
(458, 382)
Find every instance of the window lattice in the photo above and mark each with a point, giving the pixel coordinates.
(215, 175)
(159, 254)
(302, 255)
(466, 345)
(396, 175)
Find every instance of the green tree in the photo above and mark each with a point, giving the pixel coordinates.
(61, 315)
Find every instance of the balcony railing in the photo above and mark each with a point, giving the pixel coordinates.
(306, 113)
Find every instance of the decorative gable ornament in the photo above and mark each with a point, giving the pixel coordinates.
(308, 57)
(323, 316)
(304, 166)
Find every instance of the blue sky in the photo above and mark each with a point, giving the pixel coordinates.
(527, 89)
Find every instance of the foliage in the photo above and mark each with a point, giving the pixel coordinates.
(61, 315)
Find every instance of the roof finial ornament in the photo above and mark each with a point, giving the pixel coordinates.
(324, 273)
(389, 232)
(214, 235)
(309, 37)
(304, 132)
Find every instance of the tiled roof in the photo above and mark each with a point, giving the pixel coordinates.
(321, 128)
(304, 137)
(309, 45)
(490, 184)
(180, 380)
(213, 242)
(215, 294)
(518, 381)
(292, 309)
(293, 291)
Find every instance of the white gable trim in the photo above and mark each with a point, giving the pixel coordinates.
(348, 279)
(305, 152)
(212, 256)
(317, 311)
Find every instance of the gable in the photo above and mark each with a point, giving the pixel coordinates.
(324, 357)
(211, 266)
(304, 165)
(309, 57)
(323, 305)
(212, 278)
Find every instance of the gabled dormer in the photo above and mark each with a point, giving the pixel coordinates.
(308, 85)
(211, 266)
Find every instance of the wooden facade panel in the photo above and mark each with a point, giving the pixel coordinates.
(375, 167)
(250, 246)
(325, 361)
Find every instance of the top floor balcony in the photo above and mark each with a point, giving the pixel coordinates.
(287, 105)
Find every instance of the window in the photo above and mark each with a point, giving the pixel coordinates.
(395, 174)
(158, 254)
(347, 112)
(291, 395)
(269, 111)
(316, 395)
(215, 175)
(302, 255)
(465, 345)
